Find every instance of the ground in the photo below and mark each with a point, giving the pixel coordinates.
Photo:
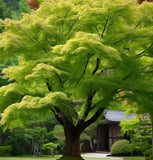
(54, 158)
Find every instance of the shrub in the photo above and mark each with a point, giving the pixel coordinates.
(5, 150)
(49, 147)
(121, 148)
(141, 145)
(149, 158)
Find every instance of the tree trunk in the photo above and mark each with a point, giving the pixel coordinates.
(36, 149)
(91, 145)
(72, 146)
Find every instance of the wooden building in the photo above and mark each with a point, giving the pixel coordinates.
(109, 131)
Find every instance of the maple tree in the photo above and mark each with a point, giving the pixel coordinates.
(75, 58)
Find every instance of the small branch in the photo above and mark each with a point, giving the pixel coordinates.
(33, 39)
(71, 27)
(127, 76)
(105, 26)
(139, 23)
(27, 34)
(125, 38)
(48, 85)
(141, 53)
(97, 66)
(84, 71)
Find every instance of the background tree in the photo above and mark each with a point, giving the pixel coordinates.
(140, 132)
(75, 57)
(23, 7)
(58, 133)
(36, 132)
(4, 11)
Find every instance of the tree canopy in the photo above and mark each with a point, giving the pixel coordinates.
(75, 57)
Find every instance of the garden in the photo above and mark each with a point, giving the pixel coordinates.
(63, 64)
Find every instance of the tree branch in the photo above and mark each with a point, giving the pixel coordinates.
(94, 118)
(127, 76)
(139, 23)
(88, 105)
(48, 85)
(84, 71)
(128, 38)
(57, 116)
(71, 27)
(33, 39)
(97, 66)
(104, 103)
(141, 53)
(105, 26)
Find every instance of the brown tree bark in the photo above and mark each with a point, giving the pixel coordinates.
(72, 142)
(72, 146)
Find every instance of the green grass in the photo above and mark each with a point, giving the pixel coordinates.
(55, 157)
(133, 158)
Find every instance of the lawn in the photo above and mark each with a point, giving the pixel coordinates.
(133, 158)
(54, 158)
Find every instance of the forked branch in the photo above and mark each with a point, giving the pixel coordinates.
(105, 26)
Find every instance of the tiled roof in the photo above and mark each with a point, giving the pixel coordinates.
(116, 116)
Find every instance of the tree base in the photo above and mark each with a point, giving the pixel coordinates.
(70, 158)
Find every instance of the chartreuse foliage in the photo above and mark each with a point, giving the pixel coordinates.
(140, 131)
(75, 57)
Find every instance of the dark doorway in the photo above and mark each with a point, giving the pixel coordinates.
(103, 138)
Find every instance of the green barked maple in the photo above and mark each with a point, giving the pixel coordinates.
(75, 57)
